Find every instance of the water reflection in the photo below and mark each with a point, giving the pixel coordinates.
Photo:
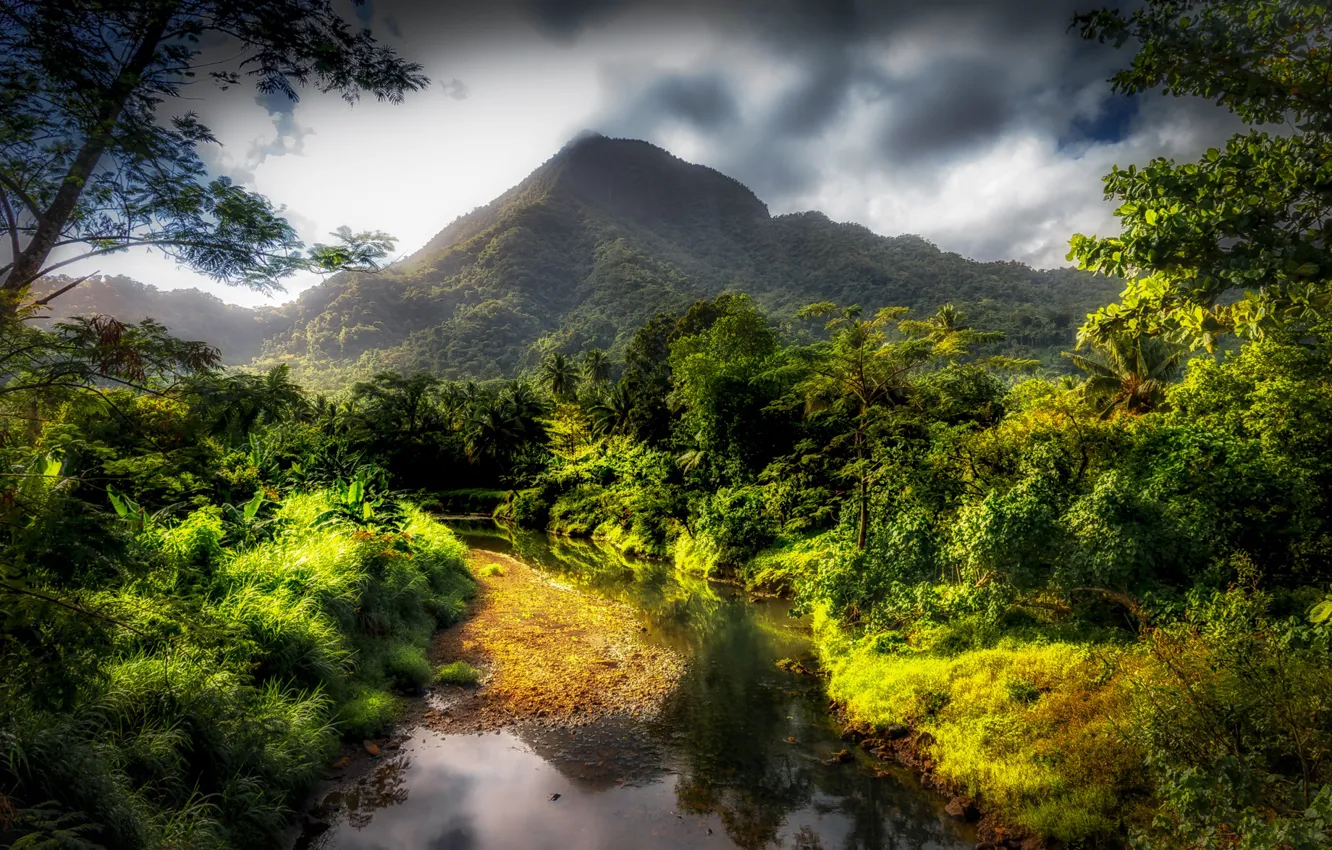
(739, 757)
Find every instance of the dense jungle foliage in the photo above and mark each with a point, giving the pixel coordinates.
(1100, 600)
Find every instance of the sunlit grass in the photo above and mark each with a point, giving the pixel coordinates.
(458, 673)
(225, 699)
(1030, 728)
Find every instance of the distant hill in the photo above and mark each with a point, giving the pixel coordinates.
(189, 313)
(604, 235)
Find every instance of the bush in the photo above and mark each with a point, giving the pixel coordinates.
(736, 520)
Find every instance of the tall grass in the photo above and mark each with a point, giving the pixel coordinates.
(235, 675)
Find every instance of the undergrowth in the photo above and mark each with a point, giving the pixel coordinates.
(231, 677)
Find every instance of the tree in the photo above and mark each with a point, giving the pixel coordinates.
(612, 411)
(399, 407)
(1128, 374)
(87, 162)
(857, 371)
(949, 331)
(559, 374)
(596, 367)
(1250, 220)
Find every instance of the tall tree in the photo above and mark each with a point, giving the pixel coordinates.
(89, 165)
(596, 367)
(1128, 374)
(1249, 220)
(856, 372)
(560, 375)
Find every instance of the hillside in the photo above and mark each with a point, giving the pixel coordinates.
(601, 237)
(189, 313)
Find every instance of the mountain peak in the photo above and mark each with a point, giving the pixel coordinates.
(634, 179)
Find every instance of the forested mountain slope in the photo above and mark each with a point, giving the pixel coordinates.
(609, 232)
(188, 313)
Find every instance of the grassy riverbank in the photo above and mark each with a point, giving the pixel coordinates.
(227, 664)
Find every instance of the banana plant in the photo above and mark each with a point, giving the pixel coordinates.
(136, 515)
(352, 503)
(245, 519)
(1321, 613)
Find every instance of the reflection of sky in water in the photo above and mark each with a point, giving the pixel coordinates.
(470, 792)
(741, 749)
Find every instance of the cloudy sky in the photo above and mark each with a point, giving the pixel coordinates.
(983, 126)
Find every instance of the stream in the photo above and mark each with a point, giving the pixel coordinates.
(741, 755)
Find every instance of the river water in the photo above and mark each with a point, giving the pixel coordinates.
(741, 756)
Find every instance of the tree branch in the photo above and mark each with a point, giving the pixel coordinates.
(22, 195)
(42, 302)
(12, 224)
(68, 605)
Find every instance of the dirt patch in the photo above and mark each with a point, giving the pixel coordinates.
(547, 652)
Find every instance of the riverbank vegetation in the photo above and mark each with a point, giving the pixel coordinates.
(1096, 597)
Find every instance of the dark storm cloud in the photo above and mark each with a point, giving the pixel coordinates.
(703, 101)
(289, 137)
(949, 110)
(564, 19)
(1001, 65)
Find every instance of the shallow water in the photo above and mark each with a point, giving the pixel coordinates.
(740, 756)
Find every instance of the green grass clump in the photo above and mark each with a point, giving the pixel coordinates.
(367, 714)
(1030, 728)
(492, 570)
(458, 673)
(224, 701)
(406, 666)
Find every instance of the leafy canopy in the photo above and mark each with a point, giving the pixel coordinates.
(92, 160)
(1240, 241)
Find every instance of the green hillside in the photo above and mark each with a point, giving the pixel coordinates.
(595, 242)
(189, 313)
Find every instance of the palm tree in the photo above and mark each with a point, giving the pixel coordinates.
(611, 411)
(1128, 374)
(559, 374)
(948, 329)
(596, 367)
(493, 432)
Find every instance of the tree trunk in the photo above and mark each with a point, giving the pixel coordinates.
(28, 265)
(864, 484)
(864, 512)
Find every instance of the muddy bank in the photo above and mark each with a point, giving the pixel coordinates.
(548, 652)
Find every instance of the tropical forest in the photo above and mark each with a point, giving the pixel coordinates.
(624, 512)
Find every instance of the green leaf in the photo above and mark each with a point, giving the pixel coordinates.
(122, 510)
(252, 506)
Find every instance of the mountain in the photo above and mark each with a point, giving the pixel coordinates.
(607, 233)
(189, 313)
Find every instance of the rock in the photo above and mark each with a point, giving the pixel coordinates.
(370, 747)
(961, 807)
(896, 730)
